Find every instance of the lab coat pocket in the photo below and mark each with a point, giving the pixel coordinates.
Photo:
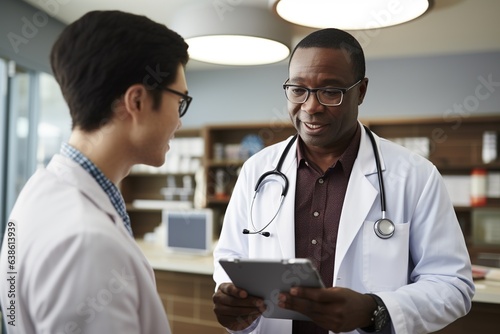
(385, 261)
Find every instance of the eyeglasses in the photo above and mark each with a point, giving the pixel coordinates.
(327, 96)
(183, 103)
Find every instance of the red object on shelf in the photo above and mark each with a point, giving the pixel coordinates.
(478, 187)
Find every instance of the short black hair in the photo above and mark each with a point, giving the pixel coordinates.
(99, 56)
(336, 39)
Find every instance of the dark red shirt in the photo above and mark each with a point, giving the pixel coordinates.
(319, 198)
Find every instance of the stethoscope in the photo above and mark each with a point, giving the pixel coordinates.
(384, 227)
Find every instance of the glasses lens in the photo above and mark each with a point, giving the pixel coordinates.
(182, 107)
(332, 97)
(296, 94)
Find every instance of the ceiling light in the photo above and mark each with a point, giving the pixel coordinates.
(349, 15)
(233, 35)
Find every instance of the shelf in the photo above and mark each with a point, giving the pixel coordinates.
(465, 168)
(147, 174)
(227, 134)
(493, 203)
(131, 208)
(217, 201)
(225, 163)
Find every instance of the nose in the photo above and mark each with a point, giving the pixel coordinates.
(312, 105)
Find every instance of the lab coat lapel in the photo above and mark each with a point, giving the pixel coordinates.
(359, 199)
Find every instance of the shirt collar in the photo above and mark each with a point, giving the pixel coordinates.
(347, 158)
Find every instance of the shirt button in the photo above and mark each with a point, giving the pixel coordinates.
(321, 181)
(314, 242)
(315, 213)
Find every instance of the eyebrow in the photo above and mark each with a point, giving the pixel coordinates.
(325, 83)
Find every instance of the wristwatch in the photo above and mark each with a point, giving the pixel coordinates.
(380, 317)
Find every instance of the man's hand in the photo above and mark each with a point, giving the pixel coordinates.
(335, 309)
(234, 308)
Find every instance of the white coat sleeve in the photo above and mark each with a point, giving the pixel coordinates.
(85, 285)
(441, 287)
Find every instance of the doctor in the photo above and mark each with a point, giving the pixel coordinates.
(75, 265)
(406, 273)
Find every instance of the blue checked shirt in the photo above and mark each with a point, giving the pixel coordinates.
(109, 188)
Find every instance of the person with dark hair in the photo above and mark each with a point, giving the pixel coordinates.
(373, 218)
(77, 267)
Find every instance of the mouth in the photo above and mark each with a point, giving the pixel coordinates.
(313, 126)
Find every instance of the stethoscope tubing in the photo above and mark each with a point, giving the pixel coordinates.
(379, 170)
(384, 228)
(276, 171)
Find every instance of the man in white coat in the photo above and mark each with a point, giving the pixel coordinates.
(71, 261)
(411, 276)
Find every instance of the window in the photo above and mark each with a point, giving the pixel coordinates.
(54, 125)
(35, 122)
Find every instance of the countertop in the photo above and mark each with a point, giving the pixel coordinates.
(487, 291)
(160, 259)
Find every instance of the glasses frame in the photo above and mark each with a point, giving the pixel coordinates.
(184, 103)
(316, 90)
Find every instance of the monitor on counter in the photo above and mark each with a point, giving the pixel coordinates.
(189, 231)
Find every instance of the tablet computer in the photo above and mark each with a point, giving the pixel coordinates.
(267, 278)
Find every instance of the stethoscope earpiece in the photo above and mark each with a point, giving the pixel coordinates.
(264, 234)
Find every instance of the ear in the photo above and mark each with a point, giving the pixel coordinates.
(363, 87)
(135, 99)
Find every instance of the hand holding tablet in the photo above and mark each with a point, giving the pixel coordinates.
(267, 278)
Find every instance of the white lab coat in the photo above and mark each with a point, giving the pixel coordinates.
(78, 269)
(427, 248)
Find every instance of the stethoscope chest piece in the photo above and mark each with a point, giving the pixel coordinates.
(384, 228)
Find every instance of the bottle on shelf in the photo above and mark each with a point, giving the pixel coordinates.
(478, 187)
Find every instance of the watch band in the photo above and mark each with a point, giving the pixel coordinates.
(380, 317)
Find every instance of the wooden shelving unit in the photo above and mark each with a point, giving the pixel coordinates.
(455, 148)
